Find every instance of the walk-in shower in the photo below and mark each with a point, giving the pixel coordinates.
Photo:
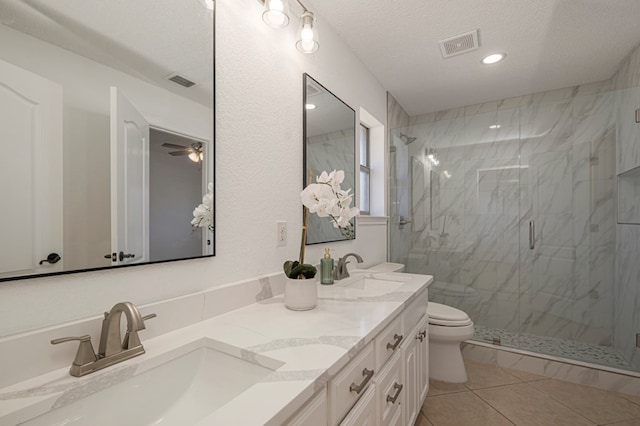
(518, 222)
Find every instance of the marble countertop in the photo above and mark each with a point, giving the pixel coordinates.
(309, 347)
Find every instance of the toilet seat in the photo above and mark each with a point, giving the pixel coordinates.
(447, 316)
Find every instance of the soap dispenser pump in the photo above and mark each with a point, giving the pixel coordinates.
(326, 268)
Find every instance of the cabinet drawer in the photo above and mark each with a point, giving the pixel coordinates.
(388, 341)
(416, 311)
(313, 413)
(350, 384)
(364, 412)
(390, 390)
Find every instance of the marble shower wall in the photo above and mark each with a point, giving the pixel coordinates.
(328, 152)
(551, 160)
(627, 248)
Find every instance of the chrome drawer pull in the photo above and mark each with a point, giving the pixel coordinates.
(392, 399)
(398, 339)
(421, 335)
(368, 374)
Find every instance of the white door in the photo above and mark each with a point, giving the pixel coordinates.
(30, 172)
(129, 182)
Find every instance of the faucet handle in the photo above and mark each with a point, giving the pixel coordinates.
(85, 354)
(131, 338)
(148, 317)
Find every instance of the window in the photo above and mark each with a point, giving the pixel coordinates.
(365, 171)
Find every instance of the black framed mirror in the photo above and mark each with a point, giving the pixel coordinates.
(108, 136)
(329, 127)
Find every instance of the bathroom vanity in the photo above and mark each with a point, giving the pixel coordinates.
(361, 353)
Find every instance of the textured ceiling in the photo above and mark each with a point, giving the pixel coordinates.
(549, 44)
(149, 39)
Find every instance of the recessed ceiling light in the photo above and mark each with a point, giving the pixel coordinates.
(494, 126)
(309, 106)
(493, 58)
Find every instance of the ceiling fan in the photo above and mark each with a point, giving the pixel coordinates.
(194, 151)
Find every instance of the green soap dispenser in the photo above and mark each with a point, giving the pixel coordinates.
(326, 268)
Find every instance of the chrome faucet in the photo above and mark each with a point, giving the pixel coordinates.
(113, 349)
(340, 271)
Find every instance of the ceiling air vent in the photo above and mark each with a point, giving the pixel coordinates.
(313, 89)
(181, 80)
(462, 43)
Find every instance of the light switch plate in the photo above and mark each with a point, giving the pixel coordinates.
(281, 233)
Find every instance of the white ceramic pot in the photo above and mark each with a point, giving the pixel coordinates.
(300, 295)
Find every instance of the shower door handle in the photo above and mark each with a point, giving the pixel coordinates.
(532, 234)
(404, 221)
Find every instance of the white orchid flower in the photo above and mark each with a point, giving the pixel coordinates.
(326, 199)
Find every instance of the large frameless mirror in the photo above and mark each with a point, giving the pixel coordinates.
(329, 144)
(107, 134)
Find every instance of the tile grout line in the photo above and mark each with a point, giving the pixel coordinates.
(551, 397)
(576, 411)
(494, 408)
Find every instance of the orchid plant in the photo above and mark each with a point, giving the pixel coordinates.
(326, 199)
(203, 214)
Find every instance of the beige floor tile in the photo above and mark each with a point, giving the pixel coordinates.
(632, 422)
(487, 375)
(422, 421)
(437, 387)
(461, 409)
(597, 405)
(526, 406)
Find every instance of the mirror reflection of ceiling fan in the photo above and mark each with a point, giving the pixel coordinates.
(194, 151)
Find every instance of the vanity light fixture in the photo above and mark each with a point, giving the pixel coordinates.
(494, 126)
(432, 156)
(276, 13)
(493, 58)
(447, 174)
(307, 37)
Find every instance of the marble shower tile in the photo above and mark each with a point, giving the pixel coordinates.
(480, 354)
(522, 363)
(571, 373)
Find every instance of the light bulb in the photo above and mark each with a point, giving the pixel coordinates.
(310, 106)
(194, 157)
(275, 14)
(307, 42)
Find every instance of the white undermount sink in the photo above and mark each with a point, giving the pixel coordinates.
(180, 387)
(375, 282)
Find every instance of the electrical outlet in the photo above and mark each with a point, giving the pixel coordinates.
(281, 233)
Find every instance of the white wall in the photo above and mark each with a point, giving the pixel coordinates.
(258, 175)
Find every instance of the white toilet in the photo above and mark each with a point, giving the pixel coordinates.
(448, 328)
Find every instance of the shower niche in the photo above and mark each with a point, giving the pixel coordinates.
(629, 197)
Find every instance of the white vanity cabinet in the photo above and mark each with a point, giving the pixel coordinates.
(364, 412)
(313, 413)
(387, 382)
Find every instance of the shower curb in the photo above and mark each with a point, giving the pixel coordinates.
(611, 379)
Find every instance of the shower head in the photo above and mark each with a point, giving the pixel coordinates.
(406, 139)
